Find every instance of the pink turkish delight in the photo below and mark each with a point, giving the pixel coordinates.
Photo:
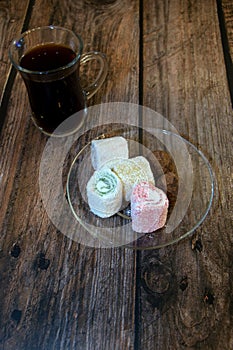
(149, 206)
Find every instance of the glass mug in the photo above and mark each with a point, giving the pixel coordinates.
(48, 59)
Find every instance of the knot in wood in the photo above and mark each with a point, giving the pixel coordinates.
(156, 278)
(183, 283)
(155, 282)
(197, 244)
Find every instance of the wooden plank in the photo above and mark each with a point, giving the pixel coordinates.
(12, 20)
(227, 7)
(185, 292)
(57, 293)
(12, 17)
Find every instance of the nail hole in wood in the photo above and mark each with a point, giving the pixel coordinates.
(15, 251)
(16, 315)
(41, 262)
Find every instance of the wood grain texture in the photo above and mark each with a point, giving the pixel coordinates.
(227, 7)
(186, 289)
(58, 294)
(12, 17)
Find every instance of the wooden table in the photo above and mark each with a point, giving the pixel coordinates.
(171, 56)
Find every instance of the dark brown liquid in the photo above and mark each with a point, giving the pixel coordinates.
(52, 101)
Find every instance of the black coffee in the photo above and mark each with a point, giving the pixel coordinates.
(52, 100)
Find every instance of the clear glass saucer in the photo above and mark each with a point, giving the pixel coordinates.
(179, 168)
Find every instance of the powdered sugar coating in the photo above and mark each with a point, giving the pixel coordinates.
(132, 171)
(104, 193)
(149, 206)
(108, 149)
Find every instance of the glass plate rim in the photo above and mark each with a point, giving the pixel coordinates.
(173, 241)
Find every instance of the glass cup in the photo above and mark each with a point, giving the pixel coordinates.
(48, 59)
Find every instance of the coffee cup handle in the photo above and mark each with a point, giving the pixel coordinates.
(91, 89)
